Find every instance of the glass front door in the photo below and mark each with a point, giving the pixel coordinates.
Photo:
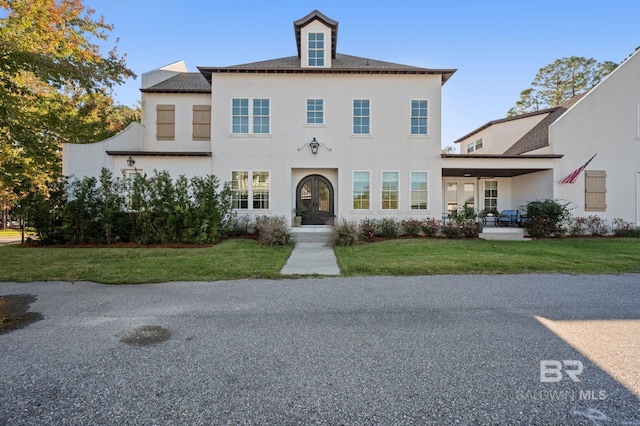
(459, 194)
(314, 200)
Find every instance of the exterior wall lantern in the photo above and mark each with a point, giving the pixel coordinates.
(130, 161)
(314, 145)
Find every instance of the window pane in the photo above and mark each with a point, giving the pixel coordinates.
(389, 190)
(419, 117)
(361, 190)
(419, 189)
(260, 190)
(240, 190)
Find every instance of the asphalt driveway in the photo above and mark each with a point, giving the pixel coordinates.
(382, 350)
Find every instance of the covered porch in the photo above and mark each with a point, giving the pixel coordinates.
(493, 183)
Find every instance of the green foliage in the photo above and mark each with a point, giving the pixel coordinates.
(413, 226)
(560, 81)
(54, 87)
(273, 230)
(466, 229)
(597, 226)
(367, 229)
(546, 218)
(147, 210)
(431, 227)
(388, 227)
(345, 233)
(463, 214)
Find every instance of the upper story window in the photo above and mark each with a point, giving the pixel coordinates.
(165, 122)
(419, 117)
(201, 122)
(315, 111)
(470, 147)
(361, 117)
(316, 49)
(258, 116)
(475, 146)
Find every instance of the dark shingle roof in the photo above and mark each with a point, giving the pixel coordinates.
(538, 137)
(342, 64)
(188, 82)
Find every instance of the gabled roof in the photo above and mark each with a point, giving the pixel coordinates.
(503, 120)
(538, 136)
(342, 64)
(316, 15)
(187, 82)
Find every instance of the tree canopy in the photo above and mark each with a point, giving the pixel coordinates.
(560, 81)
(55, 87)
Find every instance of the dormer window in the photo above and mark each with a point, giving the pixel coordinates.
(316, 49)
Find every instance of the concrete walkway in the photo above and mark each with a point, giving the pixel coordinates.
(311, 254)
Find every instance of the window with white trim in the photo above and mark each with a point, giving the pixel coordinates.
(361, 190)
(315, 111)
(419, 117)
(491, 195)
(242, 116)
(361, 116)
(390, 190)
(479, 144)
(250, 185)
(470, 147)
(316, 49)
(419, 190)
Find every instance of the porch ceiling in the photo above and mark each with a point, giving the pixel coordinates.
(486, 173)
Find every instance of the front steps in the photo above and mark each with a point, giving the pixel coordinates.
(506, 233)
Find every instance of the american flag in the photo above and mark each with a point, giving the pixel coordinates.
(574, 176)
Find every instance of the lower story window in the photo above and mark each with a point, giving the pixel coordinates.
(419, 190)
(389, 190)
(361, 190)
(491, 196)
(250, 185)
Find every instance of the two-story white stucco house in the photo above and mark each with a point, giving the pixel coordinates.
(508, 162)
(337, 135)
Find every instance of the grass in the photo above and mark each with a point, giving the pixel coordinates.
(431, 256)
(244, 258)
(231, 259)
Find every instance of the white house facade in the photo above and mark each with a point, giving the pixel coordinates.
(511, 161)
(330, 134)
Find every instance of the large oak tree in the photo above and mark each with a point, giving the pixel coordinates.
(55, 86)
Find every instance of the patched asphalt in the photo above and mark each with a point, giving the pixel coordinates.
(381, 350)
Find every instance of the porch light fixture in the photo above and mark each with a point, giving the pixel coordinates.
(314, 145)
(130, 161)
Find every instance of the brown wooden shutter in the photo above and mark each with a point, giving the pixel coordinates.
(166, 120)
(595, 192)
(202, 122)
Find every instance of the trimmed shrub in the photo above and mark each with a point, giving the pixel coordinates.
(578, 226)
(597, 226)
(367, 229)
(412, 227)
(388, 227)
(466, 229)
(431, 227)
(273, 230)
(622, 228)
(546, 218)
(345, 233)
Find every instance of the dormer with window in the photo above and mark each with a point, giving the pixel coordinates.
(316, 39)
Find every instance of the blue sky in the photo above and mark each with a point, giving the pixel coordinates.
(496, 46)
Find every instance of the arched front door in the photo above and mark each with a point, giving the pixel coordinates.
(314, 200)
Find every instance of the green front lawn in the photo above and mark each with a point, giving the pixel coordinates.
(231, 259)
(244, 258)
(441, 256)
